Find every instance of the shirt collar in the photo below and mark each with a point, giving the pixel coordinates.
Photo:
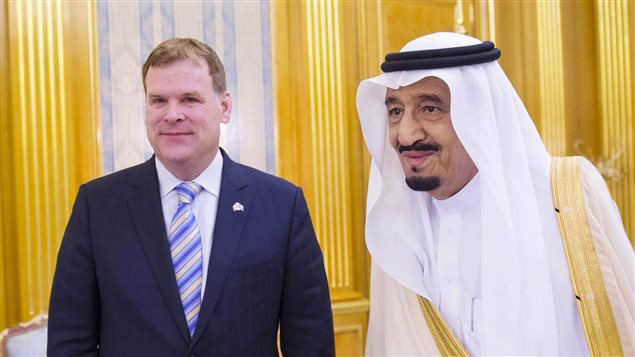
(467, 197)
(209, 179)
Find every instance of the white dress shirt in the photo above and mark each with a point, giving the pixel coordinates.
(457, 238)
(204, 205)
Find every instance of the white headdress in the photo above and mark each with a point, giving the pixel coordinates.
(524, 276)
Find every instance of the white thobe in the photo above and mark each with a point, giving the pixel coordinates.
(456, 230)
(397, 326)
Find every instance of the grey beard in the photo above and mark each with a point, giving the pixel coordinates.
(418, 183)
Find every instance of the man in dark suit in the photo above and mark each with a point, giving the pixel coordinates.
(189, 253)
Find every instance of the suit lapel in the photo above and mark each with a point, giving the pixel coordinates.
(228, 230)
(147, 215)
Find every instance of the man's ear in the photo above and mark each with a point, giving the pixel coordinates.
(226, 107)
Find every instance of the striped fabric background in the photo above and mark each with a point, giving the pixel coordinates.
(237, 30)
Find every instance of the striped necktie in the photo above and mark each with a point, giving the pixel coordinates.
(185, 247)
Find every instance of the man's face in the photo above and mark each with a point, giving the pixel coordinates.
(420, 130)
(183, 116)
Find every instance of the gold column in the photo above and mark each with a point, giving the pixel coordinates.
(6, 146)
(316, 71)
(325, 98)
(490, 15)
(552, 114)
(616, 101)
(49, 139)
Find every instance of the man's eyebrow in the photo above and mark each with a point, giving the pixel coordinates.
(186, 94)
(424, 96)
(431, 98)
(391, 100)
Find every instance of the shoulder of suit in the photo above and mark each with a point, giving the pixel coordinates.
(261, 178)
(127, 176)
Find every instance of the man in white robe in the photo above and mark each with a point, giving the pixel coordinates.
(467, 250)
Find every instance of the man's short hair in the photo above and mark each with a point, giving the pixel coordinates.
(176, 49)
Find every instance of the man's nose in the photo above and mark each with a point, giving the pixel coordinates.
(174, 112)
(410, 129)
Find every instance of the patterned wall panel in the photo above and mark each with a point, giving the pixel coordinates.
(551, 75)
(238, 32)
(616, 103)
(48, 141)
(317, 68)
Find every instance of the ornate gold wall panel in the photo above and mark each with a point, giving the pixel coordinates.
(315, 129)
(49, 141)
(6, 147)
(581, 75)
(403, 21)
(327, 143)
(581, 99)
(551, 76)
(516, 34)
(616, 101)
(350, 320)
(319, 145)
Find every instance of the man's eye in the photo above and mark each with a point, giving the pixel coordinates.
(157, 101)
(190, 100)
(395, 111)
(431, 112)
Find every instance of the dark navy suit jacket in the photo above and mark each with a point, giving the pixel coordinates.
(114, 291)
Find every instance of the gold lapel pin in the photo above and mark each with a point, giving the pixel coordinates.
(238, 207)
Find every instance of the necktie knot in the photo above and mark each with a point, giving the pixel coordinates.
(187, 191)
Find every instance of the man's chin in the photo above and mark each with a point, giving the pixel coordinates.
(423, 183)
(175, 158)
